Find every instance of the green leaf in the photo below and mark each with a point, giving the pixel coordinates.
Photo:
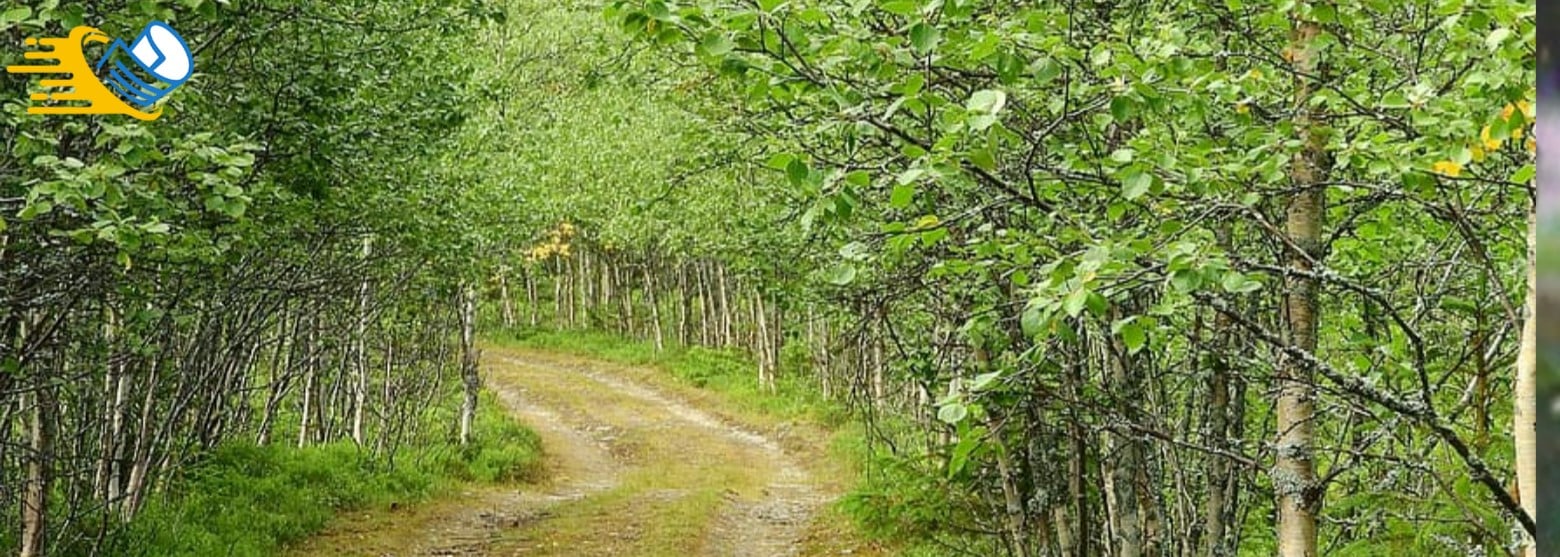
(953, 412)
(1395, 99)
(1047, 71)
(1133, 336)
(1135, 183)
(1034, 320)
(983, 159)
(780, 161)
(657, 10)
(1237, 283)
(1121, 109)
(1497, 38)
(35, 209)
(1075, 302)
(924, 37)
(1096, 303)
(14, 15)
(904, 8)
(1525, 174)
(987, 101)
(841, 275)
(1186, 280)
(968, 442)
(901, 196)
(796, 171)
(984, 380)
(715, 45)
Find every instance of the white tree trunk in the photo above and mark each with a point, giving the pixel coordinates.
(360, 353)
(471, 382)
(1525, 426)
(1294, 473)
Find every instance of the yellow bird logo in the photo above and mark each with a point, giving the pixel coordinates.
(161, 63)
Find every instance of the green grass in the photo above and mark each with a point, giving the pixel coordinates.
(248, 500)
(727, 372)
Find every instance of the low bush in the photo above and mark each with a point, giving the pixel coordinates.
(249, 500)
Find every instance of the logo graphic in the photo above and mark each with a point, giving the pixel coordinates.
(159, 62)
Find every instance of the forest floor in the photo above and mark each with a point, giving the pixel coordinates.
(637, 465)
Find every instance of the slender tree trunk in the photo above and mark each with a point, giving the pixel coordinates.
(655, 307)
(135, 487)
(624, 276)
(506, 304)
(1294, 473)
(530, 293)
(879, 382)
(117, 434)
(1077, 467)
(114, 386)
(1478, 345)
(387, 398)
(1124, 474)
(360, 353)
(1216, 506)
(759, 348)
(683, 301)
(1112, 499)
(725, 307)
(307, 410)
(40, 470)
(825, 358)
(558, 278)
(470, 380)
(1525, 418)
(281, 368)
(776, 340)
(708, 333)
(1012, 500)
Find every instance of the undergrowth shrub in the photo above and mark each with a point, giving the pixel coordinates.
(247, 500)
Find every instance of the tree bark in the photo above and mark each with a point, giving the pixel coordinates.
(1077, 467)
(40, 469)
(558, 278)
(655, 307)
(1526, 417)
(725, 307)
(360, 352)
(506, 304)
(311, 372)
(1129, 450)
(1294, 472)
(1215, 508)
(683, 301)
(765, 367)
(470, 380)
(530, 293)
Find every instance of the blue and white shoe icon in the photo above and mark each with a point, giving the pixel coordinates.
(162, 63)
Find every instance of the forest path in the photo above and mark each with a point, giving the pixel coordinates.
(634, 469)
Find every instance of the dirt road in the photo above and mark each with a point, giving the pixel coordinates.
(634, 470)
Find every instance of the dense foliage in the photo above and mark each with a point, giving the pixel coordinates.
(1120, 243)
(1098, 277)
(275, 261)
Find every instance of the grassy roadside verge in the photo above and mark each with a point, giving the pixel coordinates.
(249, 500)
(818, 431)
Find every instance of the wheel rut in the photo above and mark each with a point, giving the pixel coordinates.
(632, 470)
